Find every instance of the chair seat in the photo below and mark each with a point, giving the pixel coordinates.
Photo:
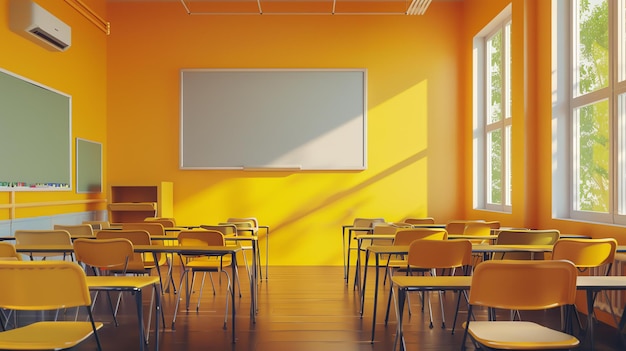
(46, 336)
(519, 335)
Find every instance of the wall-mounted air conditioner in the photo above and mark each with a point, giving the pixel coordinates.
(32, 21)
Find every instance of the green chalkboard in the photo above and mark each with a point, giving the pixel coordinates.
(88, 166)
(35, 135)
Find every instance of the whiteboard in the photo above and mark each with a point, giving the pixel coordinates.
(273, 119)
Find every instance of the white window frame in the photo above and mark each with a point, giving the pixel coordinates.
(564, 102)
(480, 128)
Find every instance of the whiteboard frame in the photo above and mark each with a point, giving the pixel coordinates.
(281, 167)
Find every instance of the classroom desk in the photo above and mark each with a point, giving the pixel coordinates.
(378, 250)
(405, 284)
(207, 251)
(485, 249)
(135, 285)
(594, 284)
(349, 229)
(155, 249)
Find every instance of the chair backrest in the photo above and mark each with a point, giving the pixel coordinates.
(525, 237)
(42, 285)
(166, 222)
(104, 253)
(366, 222)
(380, 228)
(43, 237)
(429, 254)
(77, 229)
(458, 227)
(253, 220)
(201, 238)
(137, 237)
(240, 223)
(586, 253)
(152, 228)
(523, 285)
(97, 225)
(226, 229)
(479, 229)
(407, 236)
(8, 253)
(423, 220)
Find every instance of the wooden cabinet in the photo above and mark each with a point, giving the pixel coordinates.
(133, 203)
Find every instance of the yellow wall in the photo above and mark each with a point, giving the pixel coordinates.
(125, 90)
(414, 81)
(80, 72)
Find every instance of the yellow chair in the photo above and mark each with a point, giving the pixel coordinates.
(34, 286)
(98, 225)
(458, 226)
(404, 237)
(166, 222)
(76, 230)
(197, 264)
(430, 254)
(103, 256)
(521, 285)
(137, 264)
(424, 220)
(586, 254)
(358, 223)
(246, 227)
(525, 237)
(8, 253)
(154, 228)
(44, 237)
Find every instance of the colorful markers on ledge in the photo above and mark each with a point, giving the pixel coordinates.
(36, 185)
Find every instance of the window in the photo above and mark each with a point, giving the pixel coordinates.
(590, 110)
(492, 116)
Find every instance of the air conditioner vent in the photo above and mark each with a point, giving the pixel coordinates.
(35, 23)
(45, 36)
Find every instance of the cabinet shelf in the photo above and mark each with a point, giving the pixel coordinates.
(133, 203)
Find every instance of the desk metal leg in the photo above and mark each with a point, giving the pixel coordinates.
(267, 248)
(253, 282)
(357, 273)
(232, 293)
(399, 305)
(590, 318)
(375, 298)
(367, 257)
(346, 255)
(143, 339)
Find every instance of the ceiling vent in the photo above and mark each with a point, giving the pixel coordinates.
(35, 23)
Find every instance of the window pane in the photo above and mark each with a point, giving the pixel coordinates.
(591, 46)
(591, 143)
(507, 165)
(494, 167)
(507, 60)
(621, 150)
(494, 78)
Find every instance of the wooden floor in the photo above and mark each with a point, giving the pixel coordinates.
(303, 309)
